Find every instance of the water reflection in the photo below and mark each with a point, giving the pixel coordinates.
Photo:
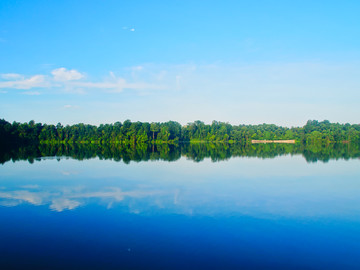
(69, 198)
(285, 186)
(196, 152)
(78, 209)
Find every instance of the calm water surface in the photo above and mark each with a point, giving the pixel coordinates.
(242, 213)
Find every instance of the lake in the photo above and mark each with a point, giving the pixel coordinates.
(189, 207)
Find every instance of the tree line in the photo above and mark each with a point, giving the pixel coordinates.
(313, 132)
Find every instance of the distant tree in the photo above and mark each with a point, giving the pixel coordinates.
(154, 128)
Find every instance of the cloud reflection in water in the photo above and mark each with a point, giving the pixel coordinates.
(69, 199)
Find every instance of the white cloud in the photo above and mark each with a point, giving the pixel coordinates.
(68, 106)
(68, 198)
(12, 76)
(23, 195)
(21, 83)
(10, 203)
(68, 81)
(114, 193)
(61, 204)
(137, 68)
(62, 74)
(117, 85)
(127, 28)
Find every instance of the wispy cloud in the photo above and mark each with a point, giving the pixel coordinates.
(62, 74)
(116, 85)
(62, 204)
(11, 76)
(72, 80)
(127, 28)
(137, 68)
(69, 198)
(68, 106)
(18, 81)
(289, 93)
(23, 195)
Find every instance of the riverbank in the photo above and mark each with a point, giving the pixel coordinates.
(272, 141)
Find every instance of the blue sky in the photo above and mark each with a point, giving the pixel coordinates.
(281, 62)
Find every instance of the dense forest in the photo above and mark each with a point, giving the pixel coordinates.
(172, 132)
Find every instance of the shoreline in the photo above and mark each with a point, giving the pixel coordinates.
(273, 141)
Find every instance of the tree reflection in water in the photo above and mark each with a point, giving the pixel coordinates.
(172, 152)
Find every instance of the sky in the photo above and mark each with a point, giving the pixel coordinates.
(242, 62)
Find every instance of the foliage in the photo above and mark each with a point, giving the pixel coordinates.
(130, 133)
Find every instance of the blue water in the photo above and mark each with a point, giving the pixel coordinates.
(243, 213)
